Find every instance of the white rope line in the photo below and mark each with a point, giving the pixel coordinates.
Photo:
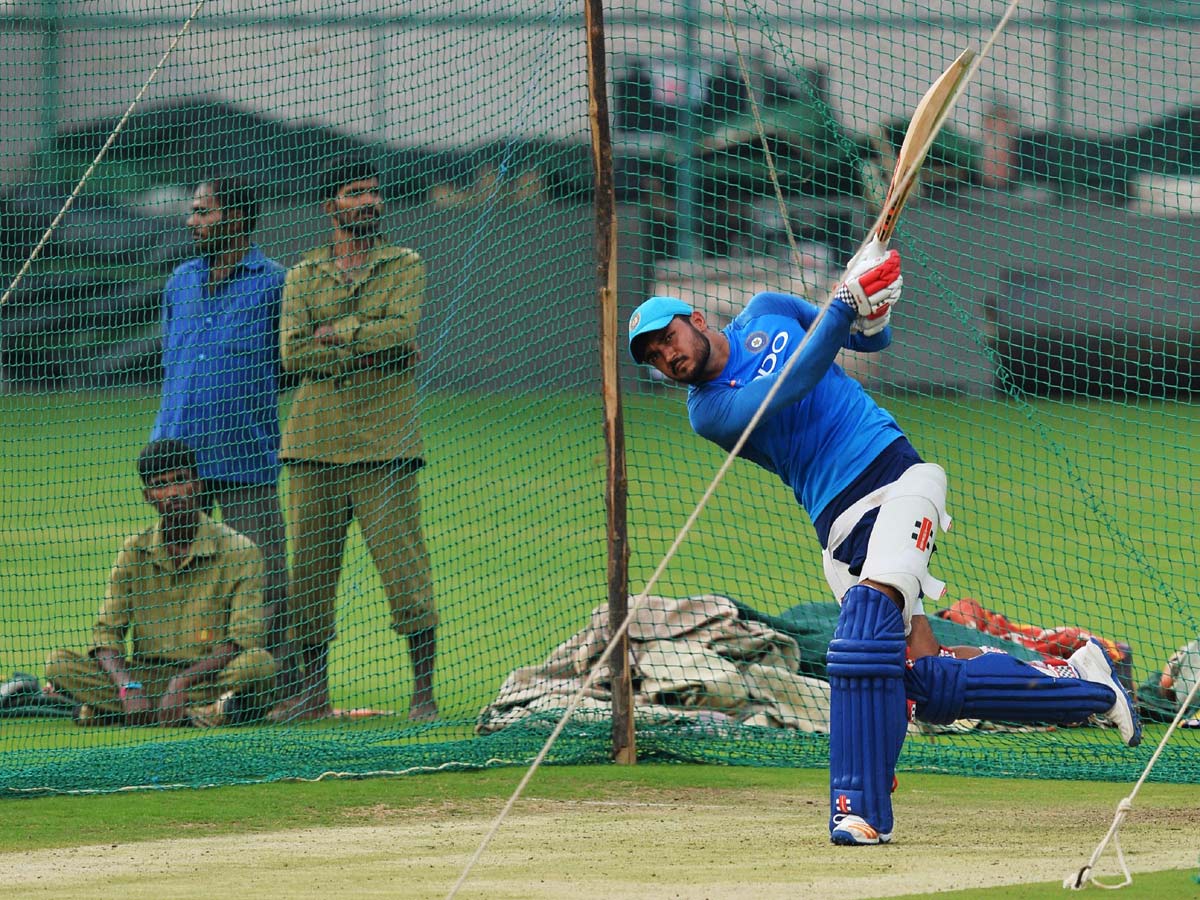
(1084, 876)
(112, 137)
(639, 600)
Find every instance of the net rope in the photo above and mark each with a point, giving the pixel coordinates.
(108, 142)
(640, 599)
(1045, 355)
(1087, 873)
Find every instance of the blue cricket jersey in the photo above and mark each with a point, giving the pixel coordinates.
(220, 362)
(821, 430)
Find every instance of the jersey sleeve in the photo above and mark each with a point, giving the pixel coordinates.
(245, 626)
(299, 351)
(861, 343)
(721, 412)
(804, 312)
(767, 303)
(113, 623)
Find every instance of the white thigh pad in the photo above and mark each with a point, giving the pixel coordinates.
(837, 573)
(902, 539)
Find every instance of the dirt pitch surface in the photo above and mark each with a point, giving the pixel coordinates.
(678, 843)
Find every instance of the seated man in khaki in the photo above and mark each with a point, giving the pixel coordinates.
(185, 595)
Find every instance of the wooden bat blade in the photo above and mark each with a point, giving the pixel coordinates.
(926, 121)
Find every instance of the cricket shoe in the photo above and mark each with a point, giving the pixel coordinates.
(853, 831)
(87, 716)
(213, 715)
(231, 708)
(1093, 664)
(303, 707)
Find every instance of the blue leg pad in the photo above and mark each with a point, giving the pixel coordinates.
(868, 714)
(999, 688)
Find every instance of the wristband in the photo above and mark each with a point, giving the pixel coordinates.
(128, 686)
(847, 298)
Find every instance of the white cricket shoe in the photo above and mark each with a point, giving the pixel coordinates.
(1092, 664)
(854, 831)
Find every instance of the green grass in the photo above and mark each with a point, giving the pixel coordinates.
(755, 833)
(1066, 514)
(1175, 883)
(1074, 513)
(246, 809)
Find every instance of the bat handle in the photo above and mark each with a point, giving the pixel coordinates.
(872, 248)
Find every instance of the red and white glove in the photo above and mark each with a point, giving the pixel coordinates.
(871, 289)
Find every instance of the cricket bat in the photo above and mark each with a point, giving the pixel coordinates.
(927, 120)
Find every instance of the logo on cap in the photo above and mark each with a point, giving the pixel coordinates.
(635, 320)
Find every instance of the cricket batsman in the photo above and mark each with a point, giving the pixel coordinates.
(877, 508)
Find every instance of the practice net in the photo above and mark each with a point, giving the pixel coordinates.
(1046, 354)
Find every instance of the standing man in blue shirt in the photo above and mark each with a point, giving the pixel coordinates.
(220, 357)
(876, 507)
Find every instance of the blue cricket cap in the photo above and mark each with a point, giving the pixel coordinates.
(653, 315)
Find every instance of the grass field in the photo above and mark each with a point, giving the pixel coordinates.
(621, 833)
(1065, 514)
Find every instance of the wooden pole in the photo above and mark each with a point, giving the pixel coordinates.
(624, 748)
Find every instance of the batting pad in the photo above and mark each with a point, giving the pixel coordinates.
(902, 540)
(999, 688)
(867, 714)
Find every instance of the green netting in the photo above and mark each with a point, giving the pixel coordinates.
(1046, 354)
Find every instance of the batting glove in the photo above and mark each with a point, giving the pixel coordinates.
(871, 289)
(871, 325)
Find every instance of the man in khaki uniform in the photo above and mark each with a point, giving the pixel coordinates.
(352, 443)
(187, 594)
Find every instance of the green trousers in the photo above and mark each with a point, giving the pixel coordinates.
(323, 499)
(250, 675)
